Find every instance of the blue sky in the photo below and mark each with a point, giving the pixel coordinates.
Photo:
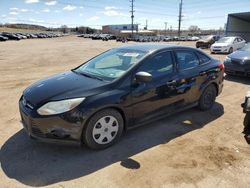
(95, 13)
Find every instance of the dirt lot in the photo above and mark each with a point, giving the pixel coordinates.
(190, 149)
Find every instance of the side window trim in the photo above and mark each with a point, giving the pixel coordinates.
(170, 51)
(200, 60)
(176, 60)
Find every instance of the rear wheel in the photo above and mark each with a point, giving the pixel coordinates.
(207, 98)
(103, 129)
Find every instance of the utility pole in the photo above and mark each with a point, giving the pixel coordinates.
(166, 23)
(180, 19)
(132, 17)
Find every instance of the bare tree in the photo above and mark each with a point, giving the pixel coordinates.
(64, 29)
(193, 28)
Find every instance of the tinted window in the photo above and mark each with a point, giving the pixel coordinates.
(203, 58)
(239, 39)
(186, 60)
(159, 65)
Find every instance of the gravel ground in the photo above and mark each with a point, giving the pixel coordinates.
(189, 149)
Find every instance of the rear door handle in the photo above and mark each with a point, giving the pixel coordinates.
(202, 73)
(171, 82)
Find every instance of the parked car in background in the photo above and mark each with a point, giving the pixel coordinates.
(227, 45)
(238, 63)
(206, 41)
(194, 38)
(166, 39)
(11, 36)
(118, 90)
(3, 38)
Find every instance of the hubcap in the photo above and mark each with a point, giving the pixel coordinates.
(105, 130)
(208, 98)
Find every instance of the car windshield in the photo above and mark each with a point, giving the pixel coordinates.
(246, 48)
(226, 40)
(111, 64)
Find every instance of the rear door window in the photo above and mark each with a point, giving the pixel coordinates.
(186, 60)
(203, 58)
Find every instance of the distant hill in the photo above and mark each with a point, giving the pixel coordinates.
(26, 26)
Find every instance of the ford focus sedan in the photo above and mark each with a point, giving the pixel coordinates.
(118, 90)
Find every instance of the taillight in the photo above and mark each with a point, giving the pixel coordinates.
(221, 66)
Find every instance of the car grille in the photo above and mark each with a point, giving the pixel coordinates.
(35, 130)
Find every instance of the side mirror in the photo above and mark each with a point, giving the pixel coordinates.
(143, 77)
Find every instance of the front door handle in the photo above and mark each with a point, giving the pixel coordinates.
(172, 82)
(202, 73)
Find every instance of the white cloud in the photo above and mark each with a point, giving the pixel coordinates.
(114, 13)
(81, 7)
(3, 15)
(69, 8)
(93, 18)
(46, 10)
(110, 8)
(50, 3)
(15, 9)
(18, 10)
(13, 13)
(57, 11)
(80, 14)
(32, 20)
(31, 1)
(23, 10)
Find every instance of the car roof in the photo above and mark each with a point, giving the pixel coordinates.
(152, 47)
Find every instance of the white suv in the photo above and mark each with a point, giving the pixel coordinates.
(227, 45)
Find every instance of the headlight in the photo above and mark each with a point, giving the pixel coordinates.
(57, 107)
(228, 60)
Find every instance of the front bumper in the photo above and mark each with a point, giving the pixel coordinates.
(66, 128)
(237, 70)
(219, 49)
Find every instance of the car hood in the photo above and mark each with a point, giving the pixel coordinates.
(220, 44)
(62, 86)
(203, 40)
(240, 54)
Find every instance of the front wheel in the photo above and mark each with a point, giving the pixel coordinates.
(103, 129)
(207, 98)
(231, 50)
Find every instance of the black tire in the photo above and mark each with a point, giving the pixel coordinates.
(87, 135)
(207, 98)
(231, 50)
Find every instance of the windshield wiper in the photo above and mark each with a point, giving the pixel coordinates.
(87, 75)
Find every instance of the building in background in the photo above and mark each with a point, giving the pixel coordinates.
(238, 24)
(115, 29)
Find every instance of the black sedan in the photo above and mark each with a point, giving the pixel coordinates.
(238, 63)
(2, 38)
(118, 90)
